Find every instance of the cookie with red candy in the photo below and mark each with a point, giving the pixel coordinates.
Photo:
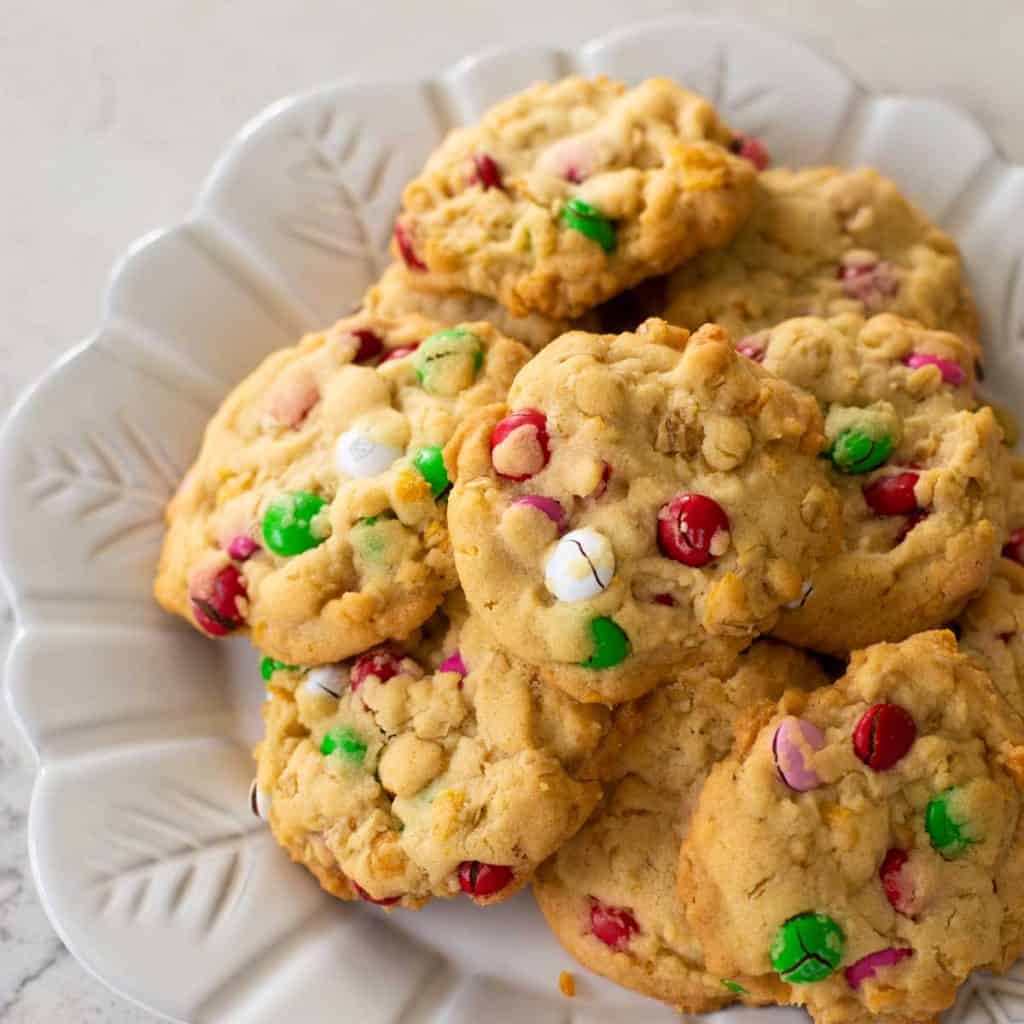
(440, 768)
(642, 503)
(867, 859)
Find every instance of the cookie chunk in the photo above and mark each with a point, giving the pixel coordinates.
(609, 894)
(821, 242)
(403, 775)
(645, 502)
(401, 291)
(864, 844)
(314, 515)
(921, 471)
(568, 193)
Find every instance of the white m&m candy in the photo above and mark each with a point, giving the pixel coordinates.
(325, 681)
(359, 455)
(580, 565)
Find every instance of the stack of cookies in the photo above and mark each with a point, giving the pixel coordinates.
(643, 537)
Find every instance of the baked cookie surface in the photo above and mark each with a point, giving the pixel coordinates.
(864, 843)
(442, 769)
(568, 193)
(314, 514)
(609, 894)
(644, 503)
(821, 242)
(921, 471)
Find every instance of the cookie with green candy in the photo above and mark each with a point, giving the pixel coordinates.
(643, 503)
(438, 768)
(920, 467)
(863, 844)
(570, 192)
(314, 515)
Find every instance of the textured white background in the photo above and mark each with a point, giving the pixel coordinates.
(112, 111)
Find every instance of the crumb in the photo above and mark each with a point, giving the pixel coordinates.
(567, 984)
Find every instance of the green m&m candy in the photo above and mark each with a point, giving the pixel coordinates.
(807, 948)
(268, 666)
(589, 221)
(288, 523)
(858, 451)
(611, 645)
(429, 462)
(448, 361)
(734, 986)
(344, 741)
(947, 826)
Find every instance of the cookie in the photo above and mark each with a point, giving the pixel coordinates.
(921, 471)
(821, 242)
(401, 291)
(568, 193)
(644, 503)
(314, 515)
(609, 893)
(411, 774)
(864, 844)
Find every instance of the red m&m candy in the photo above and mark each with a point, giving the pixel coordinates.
(388, 901)
(370, 345)
(486, 171)
(1014, 547)
(479, 880)
(693, 529)
(406, 250)
(216, 610)
(893, 495)
(883, 735)
(614, 926)
(899, 883)
(383, 662)
(519, 444)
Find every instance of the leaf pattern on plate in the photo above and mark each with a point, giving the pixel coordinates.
(118, 482)
(340, 177)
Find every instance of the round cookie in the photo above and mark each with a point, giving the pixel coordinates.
(609, 894)
(314, 515)
(921, 472)
(568, 193)
(403, 776)
(864, 844)
(644, 503)
(401, 291)
(821, 242)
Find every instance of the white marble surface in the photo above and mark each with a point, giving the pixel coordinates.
(114, 110)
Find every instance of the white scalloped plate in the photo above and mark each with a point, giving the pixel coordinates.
(150, 866)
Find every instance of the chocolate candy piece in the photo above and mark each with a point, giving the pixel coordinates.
(792, 739)
(453, 663)
(259, 801)
(868, 966)
(216, 611)
(344, 741)
(1014, 547)
(478, 880)
(871, 283)
(947, 827)
(590, 222)
(752, 346)
(406, 250)
(581, 565)
(288, 523)
(400, 352)
(883, 735)
(325, 681)
(611, 645)
(893, 495)
(383, 662)
(753, 149)
(448, 361)
(242, 548)
(614, 926)
(548, 506)
(952, 372)
(807, 948)
(370, 345)
(388, 901)
(268, 666)
(360, 456)
(486, 172)
(693, 529)
(899, 883)
(519, 444)
(855, 451)
(734, 986)
(429, 462)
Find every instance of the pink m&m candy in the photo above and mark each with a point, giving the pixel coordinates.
(453, 663)
(520, 445)
(486, 172)
(952, 372)
(868, 966)
(693, 529)
(752, 346)
(384, 662)
(1014, 547)
(546, 506)
(406, 250)
(400, 352)
(893, 495)
(215, 606)
(870, 283)
(883, 735)
(242, 547)
(794, 740)
(900, 883)
(753, 149)
(479, 880)
(614, 926)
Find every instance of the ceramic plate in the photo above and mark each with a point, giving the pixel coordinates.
(149, 863)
